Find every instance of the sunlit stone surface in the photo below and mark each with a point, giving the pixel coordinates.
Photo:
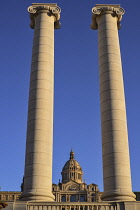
(37, 184)
(115, 151)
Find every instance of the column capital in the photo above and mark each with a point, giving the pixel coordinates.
(50, 9)
(100, 9)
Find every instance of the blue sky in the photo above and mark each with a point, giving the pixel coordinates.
(77, 107)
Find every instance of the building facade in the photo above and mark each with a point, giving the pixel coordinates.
(71, 188)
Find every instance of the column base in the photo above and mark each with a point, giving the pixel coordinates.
(118, 195)
(36, 196)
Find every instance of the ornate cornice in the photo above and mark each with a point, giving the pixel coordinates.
(99, 10)
(54, 10)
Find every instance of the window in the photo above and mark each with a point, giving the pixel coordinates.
(93, 199)
(137, 197)
(73, 198)
(82, 198)
(63, 198)
(6, 197)
(65, 176)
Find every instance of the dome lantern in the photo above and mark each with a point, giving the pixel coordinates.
(71, 155)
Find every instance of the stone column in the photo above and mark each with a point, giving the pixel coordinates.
(115, 151)
(38, 162)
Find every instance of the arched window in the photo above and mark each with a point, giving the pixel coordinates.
(73, 198)
(63, 198)
(79, 176)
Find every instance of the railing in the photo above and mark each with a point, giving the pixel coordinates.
(72, 206)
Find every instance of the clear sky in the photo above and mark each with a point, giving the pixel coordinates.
(77, 108)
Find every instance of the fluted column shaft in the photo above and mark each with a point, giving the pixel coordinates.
(38, 162)
(115, 151)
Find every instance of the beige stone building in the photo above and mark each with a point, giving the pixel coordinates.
(71, 188)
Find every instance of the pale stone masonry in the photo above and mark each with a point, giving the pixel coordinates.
(72, 193)
(115, 151)
(37, 184)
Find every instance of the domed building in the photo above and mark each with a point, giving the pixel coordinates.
(72, 170)
(72, 188)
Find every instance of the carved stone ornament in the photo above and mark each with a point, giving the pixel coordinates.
(34, 10)
(3, 205)
(99, 10)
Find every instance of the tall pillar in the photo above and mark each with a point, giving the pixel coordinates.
(38, 161)
(115, 151)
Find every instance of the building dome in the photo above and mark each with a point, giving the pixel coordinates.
(72, 170)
